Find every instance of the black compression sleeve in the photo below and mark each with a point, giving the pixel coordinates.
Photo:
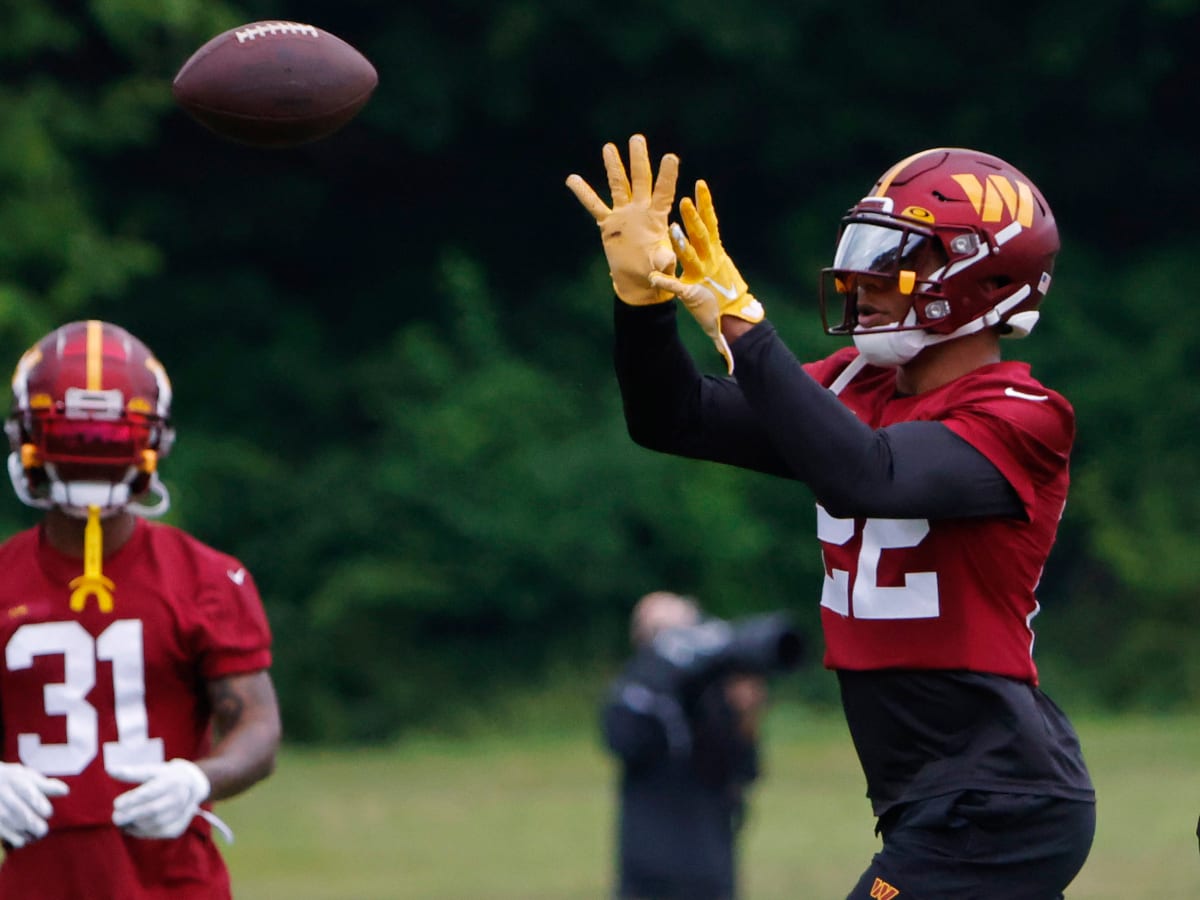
(911, 469)
(774, 418)
(671, 407)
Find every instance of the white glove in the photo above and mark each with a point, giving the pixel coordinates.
(24, 806)
(166, 802)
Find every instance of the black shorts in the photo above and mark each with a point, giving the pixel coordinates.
(980, 846)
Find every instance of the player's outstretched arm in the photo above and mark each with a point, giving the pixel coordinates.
(710, 285)
(634, 229)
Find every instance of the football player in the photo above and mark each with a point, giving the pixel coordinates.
(939, 472)
(135, 686)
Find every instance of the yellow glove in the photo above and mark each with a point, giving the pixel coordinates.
(710, 286)
(634, 231)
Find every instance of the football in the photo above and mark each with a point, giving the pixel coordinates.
(275, 84)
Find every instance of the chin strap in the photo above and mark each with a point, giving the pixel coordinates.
(95, 500)
(893, 345)
(156, 509)
(92, 582)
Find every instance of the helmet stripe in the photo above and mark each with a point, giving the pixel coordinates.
(95, 354)
(164, 386)
(891, 174)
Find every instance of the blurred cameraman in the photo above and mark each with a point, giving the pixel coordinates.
(688, 748)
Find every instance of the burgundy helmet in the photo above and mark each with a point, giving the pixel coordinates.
(90, 419)
(990, 224)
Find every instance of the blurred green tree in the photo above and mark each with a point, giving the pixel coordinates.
(391, 348)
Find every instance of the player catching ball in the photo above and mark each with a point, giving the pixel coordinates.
(134, 689)
(939, 472)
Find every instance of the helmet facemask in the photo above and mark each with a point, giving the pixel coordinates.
(918, 259)
(88, 451)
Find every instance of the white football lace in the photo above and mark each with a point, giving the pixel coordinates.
(215, 821)
(248, 34)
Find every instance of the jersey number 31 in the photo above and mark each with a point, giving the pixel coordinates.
(121, 644)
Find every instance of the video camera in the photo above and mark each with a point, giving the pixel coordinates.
(764, 644)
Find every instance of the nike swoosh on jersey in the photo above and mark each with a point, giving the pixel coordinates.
(1021, 395)
(237, 577)
(729, 293)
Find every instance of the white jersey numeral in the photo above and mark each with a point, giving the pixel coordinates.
(119, 644)
(917, 598)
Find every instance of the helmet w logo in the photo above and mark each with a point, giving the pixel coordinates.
(998, 195)
(881, 890)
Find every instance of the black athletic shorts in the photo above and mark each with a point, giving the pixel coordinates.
(979, 846)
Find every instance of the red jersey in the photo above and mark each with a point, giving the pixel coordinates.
(80, 691)
(949, 593)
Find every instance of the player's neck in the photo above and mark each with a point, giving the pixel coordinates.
(65, 533)
(942, 363)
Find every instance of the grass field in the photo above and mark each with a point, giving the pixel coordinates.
(529, 816)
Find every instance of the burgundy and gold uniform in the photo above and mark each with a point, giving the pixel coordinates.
(83, 688)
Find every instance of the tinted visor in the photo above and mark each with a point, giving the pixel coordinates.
(92, 441)
(878, 249)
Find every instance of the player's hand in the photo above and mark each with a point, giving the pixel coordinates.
(710, 286)
(24, 803)
(168, 798)
(634, 230)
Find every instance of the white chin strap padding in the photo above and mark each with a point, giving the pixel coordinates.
(895, 348)
(891, 347)
(74, 497)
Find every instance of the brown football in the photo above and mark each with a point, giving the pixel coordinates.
(275, 84)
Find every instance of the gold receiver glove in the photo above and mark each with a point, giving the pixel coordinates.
(634, 231)
(710, 286)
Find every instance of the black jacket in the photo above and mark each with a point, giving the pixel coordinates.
(684, 770)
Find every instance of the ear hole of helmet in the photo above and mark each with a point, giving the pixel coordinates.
(141, 483)
(996, 288)
(37, 478)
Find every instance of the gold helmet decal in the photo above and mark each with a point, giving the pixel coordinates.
(991, 197)
(998, 195)
(918, 214)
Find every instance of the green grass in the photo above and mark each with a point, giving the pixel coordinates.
(530, 817)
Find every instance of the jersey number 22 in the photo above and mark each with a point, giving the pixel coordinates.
(916, 598)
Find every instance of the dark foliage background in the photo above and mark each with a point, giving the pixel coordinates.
(391, 348)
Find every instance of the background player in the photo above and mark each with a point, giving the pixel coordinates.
(940, 473)
(126, 643)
